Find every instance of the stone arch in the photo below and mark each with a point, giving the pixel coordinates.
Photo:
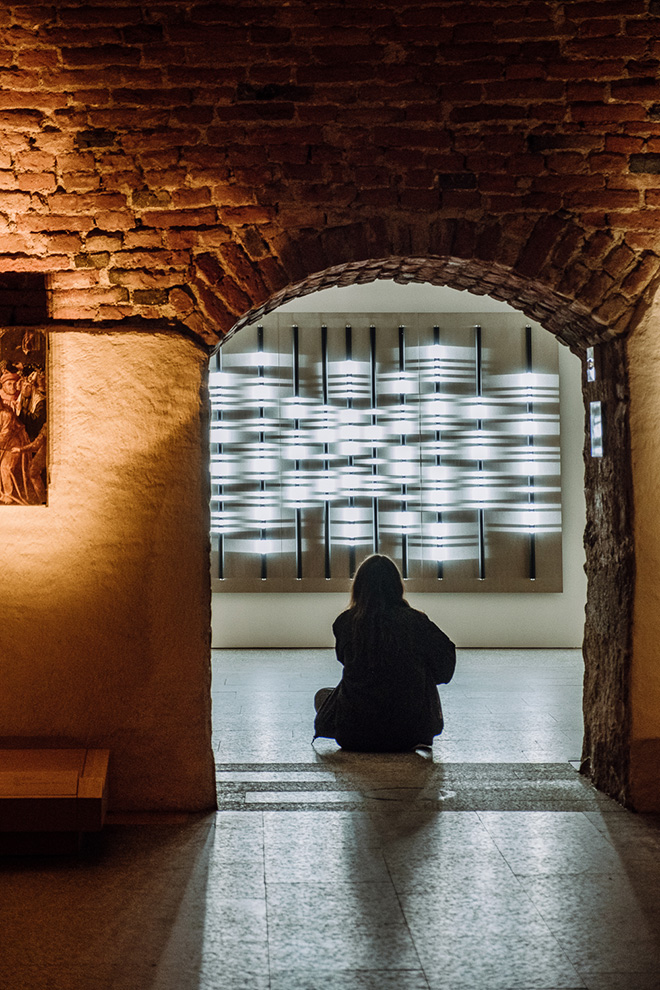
(582, 286)
(535, 283)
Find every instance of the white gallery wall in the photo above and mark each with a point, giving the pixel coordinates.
(272, 620)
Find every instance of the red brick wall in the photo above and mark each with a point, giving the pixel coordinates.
(196, 161)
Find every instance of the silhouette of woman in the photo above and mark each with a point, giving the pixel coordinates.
(393, 658)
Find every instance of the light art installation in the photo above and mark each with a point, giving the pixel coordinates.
(435, 442)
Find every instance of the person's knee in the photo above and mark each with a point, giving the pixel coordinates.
(320, 697)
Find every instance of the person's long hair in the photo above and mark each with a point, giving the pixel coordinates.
(377, 590)
(377, 585)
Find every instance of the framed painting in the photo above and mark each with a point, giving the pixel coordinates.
(23, 417)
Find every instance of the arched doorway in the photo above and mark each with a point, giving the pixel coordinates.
(608, 487)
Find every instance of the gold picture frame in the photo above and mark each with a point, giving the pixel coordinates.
(23, 416)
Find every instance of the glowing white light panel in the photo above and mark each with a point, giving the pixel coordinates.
(434, 441)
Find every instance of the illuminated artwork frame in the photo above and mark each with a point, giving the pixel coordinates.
(23, 416)
(433, 439)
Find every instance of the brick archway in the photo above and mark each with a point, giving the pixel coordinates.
(532, 285)
(582, 286)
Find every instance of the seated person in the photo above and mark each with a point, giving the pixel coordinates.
(393, 658)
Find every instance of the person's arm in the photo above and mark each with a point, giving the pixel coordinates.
(339, 630)
(441, 653)
(38, 442)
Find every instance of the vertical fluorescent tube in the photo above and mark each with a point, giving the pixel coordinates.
(262, 440)
(327, 546)
(349, 405)
(438, 458)
(402, 441)
(480, 464)
(596, 428)
(374, 421)
(296, 430)
(530, 445)
(221, 538)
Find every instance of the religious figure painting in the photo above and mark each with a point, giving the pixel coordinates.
(23, 417)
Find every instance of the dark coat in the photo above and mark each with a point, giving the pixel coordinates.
(387, 699)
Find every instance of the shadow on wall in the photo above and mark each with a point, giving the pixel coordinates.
(23, 299)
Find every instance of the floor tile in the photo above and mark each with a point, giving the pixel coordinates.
(334, 906)
(274, 776)
(603, 923)
(621, 981)
(350, 980)
(553, 842)
(301, 797)
(531, 959)
(298, 951)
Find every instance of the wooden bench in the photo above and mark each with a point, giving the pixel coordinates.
(50, 797)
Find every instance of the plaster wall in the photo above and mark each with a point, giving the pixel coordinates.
(644, 378)
(477, 620)
(104, 639)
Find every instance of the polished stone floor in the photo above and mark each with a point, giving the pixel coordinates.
(503, 706)
(490, 864)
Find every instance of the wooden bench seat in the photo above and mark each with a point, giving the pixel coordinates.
(49, 797)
